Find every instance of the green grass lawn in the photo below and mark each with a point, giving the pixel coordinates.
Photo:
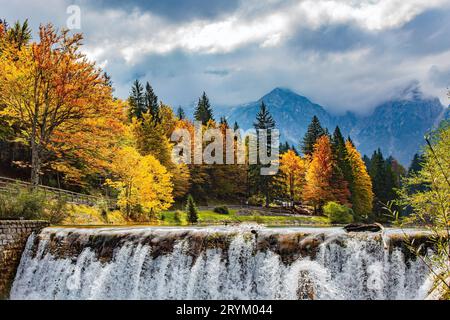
(210, 217)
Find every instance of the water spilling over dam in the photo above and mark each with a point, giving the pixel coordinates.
(218, 263)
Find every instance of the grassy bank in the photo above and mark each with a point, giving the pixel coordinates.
(211, 218)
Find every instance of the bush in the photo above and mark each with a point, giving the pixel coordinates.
(222, 210)
(177, 216)
(84, 215)
(56, 210)
(257, 201)
(338, 213)
(17, 202)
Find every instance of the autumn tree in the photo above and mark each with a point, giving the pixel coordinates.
(144, 185)
(321, 183)
(361, 192)
(294, 169)
(83, 155)
(50, 86)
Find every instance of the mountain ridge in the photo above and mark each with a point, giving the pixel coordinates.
(396, 126)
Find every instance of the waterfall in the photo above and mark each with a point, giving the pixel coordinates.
(216, 263)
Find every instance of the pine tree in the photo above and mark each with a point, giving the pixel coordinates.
(203, 112)
(19, 34)
(137, 101)
(284, 147)
(416, 164)
(366, 160)
(362, 194)
(151, 102)
(191, 210)
(224, 122)
(315, 131)
(378, 174)
(264, 184)
(341, 156)
(386, 176)
(181, 115)
(236, 126)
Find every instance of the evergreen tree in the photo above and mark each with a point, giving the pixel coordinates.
(284, 147)
(386, 176)
(341, 156)
(19, 34)
(191, 210)
(236, 126)
(315, 131)
(265, 184)
(378, 174)
(203, 112)
(224, 122)
(137, 101)
(366, 160)
(351, 141)
(181, 115)
(151, 102)
(416, 164)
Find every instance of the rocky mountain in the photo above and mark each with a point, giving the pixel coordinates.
(396, 126)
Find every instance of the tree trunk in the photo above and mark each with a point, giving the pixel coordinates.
(35, 163)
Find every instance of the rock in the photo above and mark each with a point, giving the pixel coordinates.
(361, 227)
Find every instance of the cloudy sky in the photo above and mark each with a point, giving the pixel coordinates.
(343, 54)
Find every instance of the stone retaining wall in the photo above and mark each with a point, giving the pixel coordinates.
(13, 237)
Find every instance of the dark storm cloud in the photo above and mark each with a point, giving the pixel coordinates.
(341, 54)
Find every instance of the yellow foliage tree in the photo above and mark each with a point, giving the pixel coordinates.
(144, 185)
(362, 195)
(294, 169)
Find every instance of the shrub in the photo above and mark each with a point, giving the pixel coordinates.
(17, 202)
(222, 210)
(177, 216)
(83, 215)
(256, 200)
(56, 210)
(338, 213)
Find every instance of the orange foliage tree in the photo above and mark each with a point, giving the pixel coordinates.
(49, 88)
(323, 183)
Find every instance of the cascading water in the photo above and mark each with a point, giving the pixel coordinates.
(214, 263)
